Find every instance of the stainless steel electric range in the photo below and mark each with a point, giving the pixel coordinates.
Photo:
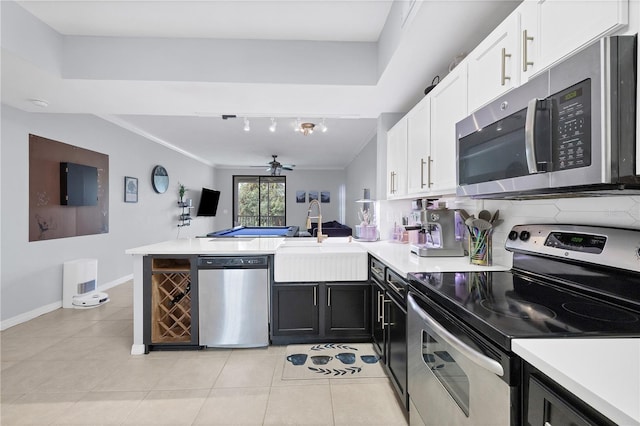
(566, 281)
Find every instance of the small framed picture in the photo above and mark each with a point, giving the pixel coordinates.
(301, 196)
(313, 195)
(325, 196)
(130, 189)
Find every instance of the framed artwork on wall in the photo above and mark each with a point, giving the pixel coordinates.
(301, 196)
(130, 189)
(313, 195)
(325, 196)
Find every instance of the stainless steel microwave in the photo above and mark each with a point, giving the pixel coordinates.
(570, 129)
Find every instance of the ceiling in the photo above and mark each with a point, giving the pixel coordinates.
(168, 70)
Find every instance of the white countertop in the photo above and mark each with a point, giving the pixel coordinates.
(211, 246)
(604, 373)
(397, 256)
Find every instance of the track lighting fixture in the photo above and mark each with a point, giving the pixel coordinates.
(272, 128)
(247, 127)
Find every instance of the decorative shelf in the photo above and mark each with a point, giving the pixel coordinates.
(185, 217)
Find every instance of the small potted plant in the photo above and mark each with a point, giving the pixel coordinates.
(181, 191)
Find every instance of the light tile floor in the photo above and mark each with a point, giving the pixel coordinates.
(73, 367)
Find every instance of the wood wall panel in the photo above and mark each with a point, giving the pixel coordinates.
(47, 218)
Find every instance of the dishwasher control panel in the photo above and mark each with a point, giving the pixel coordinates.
(217, 262)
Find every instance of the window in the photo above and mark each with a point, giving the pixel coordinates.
(259, 201)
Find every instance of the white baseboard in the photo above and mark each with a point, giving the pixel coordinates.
(19, 319)
(137, 349)
(26, 316)
(116, 282)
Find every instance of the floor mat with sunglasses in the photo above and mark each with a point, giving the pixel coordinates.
(332, 361)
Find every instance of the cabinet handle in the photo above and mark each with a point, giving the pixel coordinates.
(315, 296)
(429, 161)
(504, 76)
(387, 324)
(393, 182)
(380, 313)
(329, 296)
(422, 163)
(525, 60)
(376, 271)
(384, 324)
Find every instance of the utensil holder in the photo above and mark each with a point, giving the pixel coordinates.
(480, 247)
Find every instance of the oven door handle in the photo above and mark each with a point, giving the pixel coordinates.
(475, 356)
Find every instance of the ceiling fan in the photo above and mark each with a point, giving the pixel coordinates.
(275, 167)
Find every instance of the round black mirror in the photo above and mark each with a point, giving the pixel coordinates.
(160, 179)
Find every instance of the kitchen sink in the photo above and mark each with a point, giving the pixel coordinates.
(310, 261)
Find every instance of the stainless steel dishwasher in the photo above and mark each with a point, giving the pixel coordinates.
(233, 301)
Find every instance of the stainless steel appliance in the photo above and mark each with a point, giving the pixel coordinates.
(566, 281)
(439, 228)
(233, 301)
(572, 128)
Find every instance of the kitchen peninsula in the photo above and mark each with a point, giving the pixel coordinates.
(401, 261)
(396, 256)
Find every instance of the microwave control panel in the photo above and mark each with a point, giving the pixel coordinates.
(571, 122)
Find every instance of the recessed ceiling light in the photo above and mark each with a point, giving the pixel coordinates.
(40, 103)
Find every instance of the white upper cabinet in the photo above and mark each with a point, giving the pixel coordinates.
(494, 66)
(421, 148)
(418, 146)
(431, 138)
(536, 35)
(397, 159)
(566, 26)
(448, 106)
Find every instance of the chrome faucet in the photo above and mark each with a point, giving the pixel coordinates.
(321, 236)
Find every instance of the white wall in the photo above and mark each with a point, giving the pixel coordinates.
(303, 180)
(31, 274)
(361, 174)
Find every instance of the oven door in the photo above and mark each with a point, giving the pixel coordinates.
(453, 378)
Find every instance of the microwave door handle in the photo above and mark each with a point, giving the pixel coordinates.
(529, 136)
(479, 359)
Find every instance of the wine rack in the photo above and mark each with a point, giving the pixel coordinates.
(171, 301)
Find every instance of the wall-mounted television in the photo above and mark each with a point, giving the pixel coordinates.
(78, 185)
(208, 202)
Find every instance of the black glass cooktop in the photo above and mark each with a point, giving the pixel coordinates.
(506, 305)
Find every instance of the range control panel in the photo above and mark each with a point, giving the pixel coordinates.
(614, 247)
